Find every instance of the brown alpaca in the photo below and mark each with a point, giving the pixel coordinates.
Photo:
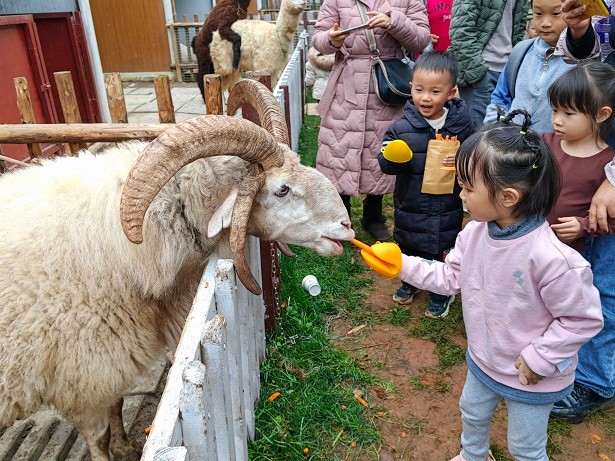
(221, 18)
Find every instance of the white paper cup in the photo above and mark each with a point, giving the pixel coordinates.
(311, 285)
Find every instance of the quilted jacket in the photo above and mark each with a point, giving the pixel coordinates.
(425, 223)
(353, 118)
(472, 25)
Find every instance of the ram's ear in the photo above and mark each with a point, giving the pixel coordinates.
(221, 219)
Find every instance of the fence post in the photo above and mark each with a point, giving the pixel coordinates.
(213, 94)
(270, 263)
(192, 411)
(166, 112)
(68, 100)
(226, 302)
(115, 98)
(215, 356)
(303, 105)
(24, 104)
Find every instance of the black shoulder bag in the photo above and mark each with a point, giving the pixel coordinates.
(391, 77)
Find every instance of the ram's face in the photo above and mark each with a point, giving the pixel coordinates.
(299, 206)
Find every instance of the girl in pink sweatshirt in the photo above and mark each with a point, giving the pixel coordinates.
(528, 299)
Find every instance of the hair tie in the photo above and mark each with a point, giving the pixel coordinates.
(534, 166)
(522, 133)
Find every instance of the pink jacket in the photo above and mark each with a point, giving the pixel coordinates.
(530, 296)
(353, 118)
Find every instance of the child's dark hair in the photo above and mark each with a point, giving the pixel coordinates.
(438, 61)
(509, 155)
(586, 89)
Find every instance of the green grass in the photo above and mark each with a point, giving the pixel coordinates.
(315, 379)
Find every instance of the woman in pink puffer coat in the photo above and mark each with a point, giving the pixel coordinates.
(353, 118)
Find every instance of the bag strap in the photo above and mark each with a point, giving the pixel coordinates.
(371, 39)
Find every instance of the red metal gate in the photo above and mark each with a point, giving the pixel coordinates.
(20, 56)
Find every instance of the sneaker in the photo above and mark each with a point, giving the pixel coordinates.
(461, 458)
(378, 230)
(581, 403)
(405, 294)
(439, 310)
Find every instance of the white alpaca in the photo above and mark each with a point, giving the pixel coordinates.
(264, 46)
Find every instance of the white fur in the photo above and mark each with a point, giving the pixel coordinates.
(82, 310)
(264, 46)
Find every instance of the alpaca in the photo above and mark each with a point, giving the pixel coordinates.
(264, 46)
(220, 19)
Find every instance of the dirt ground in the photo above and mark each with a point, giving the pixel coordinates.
(422, 422)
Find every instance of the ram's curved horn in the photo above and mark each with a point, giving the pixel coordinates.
(267, 107)
(199, 137)
(241, 212)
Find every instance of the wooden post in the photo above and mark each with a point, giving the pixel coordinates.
(68, 100)
(270, 262)
(303, 104)
(176, 53)
(115, 98)
(263, 77)
(166, 112)
(284, 89)
(24, 104)
(213, 94)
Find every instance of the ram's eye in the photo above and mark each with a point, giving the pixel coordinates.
(283, 191)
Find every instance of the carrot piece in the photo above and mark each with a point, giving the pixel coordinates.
(361, 401)
(273, 396)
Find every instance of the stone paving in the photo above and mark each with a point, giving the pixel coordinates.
(142, 107)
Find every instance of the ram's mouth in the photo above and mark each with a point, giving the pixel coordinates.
(336, 245)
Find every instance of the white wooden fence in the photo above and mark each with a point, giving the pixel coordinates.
(289, 90)
(207, 409)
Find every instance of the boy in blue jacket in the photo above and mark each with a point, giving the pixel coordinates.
(426, 225)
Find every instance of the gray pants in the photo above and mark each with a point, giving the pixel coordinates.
(478, 97)
(527, 424)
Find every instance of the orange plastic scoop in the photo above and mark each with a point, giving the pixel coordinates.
(384, 258)
(362, 245)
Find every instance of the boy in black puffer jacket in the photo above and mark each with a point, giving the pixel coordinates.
(426, 225)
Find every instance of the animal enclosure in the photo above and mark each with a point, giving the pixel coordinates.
(69, 446)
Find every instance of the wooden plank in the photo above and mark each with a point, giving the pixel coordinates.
(79, 132)
(68, 100)
(172, 454)
(193, 412)
(26, 112)
(215, 358)
(213, 94)
(166, 430)
(115, 98)
(166, 112)
(226, 303)
(60, 443)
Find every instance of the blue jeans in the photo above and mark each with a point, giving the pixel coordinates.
(527, 424)
(596, 368)
(478, 97)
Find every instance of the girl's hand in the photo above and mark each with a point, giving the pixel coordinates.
(574, 15)
(434, 38)
(449, 160)
(378, 20)
(526, 375)
(568, 230)
(336, 38)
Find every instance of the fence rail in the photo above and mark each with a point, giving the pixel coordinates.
(208, 403)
